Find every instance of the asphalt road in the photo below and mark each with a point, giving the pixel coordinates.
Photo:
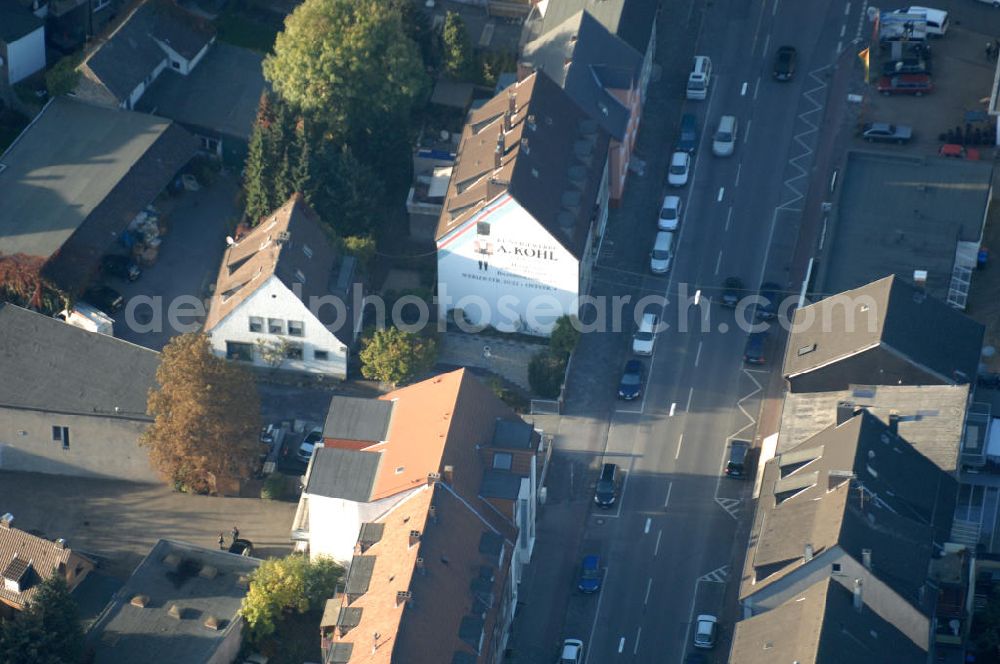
(671, 543)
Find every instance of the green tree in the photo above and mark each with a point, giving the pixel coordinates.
(347, 61)
(258, 176)
(61, 78)
(458, 56)
(391, 355)
(282, 586)
(565, 335)
(349, 194)
(206, 414)
(545, 374)
(47, 631)
(362, 247)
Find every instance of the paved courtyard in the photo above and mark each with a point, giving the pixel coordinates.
(118, 522)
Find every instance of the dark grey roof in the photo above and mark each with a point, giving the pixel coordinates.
(359, 577)
(345, 474)
(632, 20)
(821, 626)
(132, 53)
(857, 486)
(586, 60)
(514, 435)
(371, 533)
(463, 658)
(16, 21)
(220, 95)
(471, 630)
(78, 175)
(201, 582)
(931, 417)
(500, 484)
(356, 418)
(892, 314)
(490, 543)
(897, 214)
(349, 617)
(53, 365)
(340, 653)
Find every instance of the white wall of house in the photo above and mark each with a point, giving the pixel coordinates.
(273, 302)
(181, 64)
(140, 89)
(26, 56)
(502, 268)
(335, 523)
(98, 446)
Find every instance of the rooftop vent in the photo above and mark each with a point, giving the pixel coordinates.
(60, 543)
(7, 520)
(414, 537)
(920, 278)
(208, 572)
(176, 611)
(403, 597)
(433, 478)
(212, 623)
(140, 601)
(172, 561)
(805, 350)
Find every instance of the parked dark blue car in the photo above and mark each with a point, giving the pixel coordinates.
(590, 574)
(630, 386)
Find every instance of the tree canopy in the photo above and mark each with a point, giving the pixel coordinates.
(206, 414)
(351, 62)
(459, 60)
(391, 355)
(47, 631)
(287, 585)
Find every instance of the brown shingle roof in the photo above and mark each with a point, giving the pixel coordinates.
(551, 159)
(34, 559)
(289, 244)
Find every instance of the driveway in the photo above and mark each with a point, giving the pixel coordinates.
(118, 522)
(188, 263)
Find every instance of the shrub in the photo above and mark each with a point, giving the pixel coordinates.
(275, 487)
(545, 374)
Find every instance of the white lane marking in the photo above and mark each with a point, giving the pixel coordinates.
(739, 169)
(743, 90)
(673, 407)
(687, 408)
(638, 633)
(843, 30)
(729, 217)
(775, 10)
(756, 88)
(649, 586)
(649, 522)
(746, 134)
(680, 444)
(697, 355)
(840, 47)
(847, 9)
(697, 297)
(718, 263)
(656, 551)
(722, 190)
(621, 645)
(767, 44)
(666, 501)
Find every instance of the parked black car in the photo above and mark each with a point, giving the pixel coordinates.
(630, 386)
(771, 294)
(688, 140)
(754, 351)
(606, 492)
(732, 291)
(784, 63)
(120, 266)
(736, 466)
(105, 298)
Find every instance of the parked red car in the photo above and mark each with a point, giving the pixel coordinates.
(906, 84)
(959, 152)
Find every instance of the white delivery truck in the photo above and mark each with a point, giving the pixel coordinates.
(87, 317)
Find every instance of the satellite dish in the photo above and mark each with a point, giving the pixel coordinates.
(230, 241)
(487, 352)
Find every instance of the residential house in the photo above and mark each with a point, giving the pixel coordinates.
(217, 101)
(431, 546)
(22, 43)
(181, 604)
(281, 298)
(525, 211)
(156, 36)
(859, 505)
(602, 75)
(633, 21)
(26, 561)
(78, 404)
(828, 622)
(888, 332)
(70, 23)
(76, 177)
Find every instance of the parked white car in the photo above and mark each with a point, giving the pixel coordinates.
(680, 165)
(704, 635)
(662, 254)
(670, 213)
(572, 652)
(645, 337)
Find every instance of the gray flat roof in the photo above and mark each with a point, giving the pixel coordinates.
(344, 474)
(201, 582)
(514, 434)
(897, 214)
(500, 484)
(62, 167)
(220, 95)
(357, 418)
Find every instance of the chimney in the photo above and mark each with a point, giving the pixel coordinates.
(414, 537)
(920, 278)
(525, 147)
(857, 595)
(894, 423)
(140, 601)
(506, 122)
(433, 478)
(808, 553)
(449, 474)
(846, 411)
(60, 544)
(6, 520)
(498, 153)
(403, 597)
(866, 558)
(420, 564)
(432, 513)
(511, 104)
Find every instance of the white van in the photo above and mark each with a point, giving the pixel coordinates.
(645, 336)
(700, 77)
(936, 19)
(663, 252)
(724, 140)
